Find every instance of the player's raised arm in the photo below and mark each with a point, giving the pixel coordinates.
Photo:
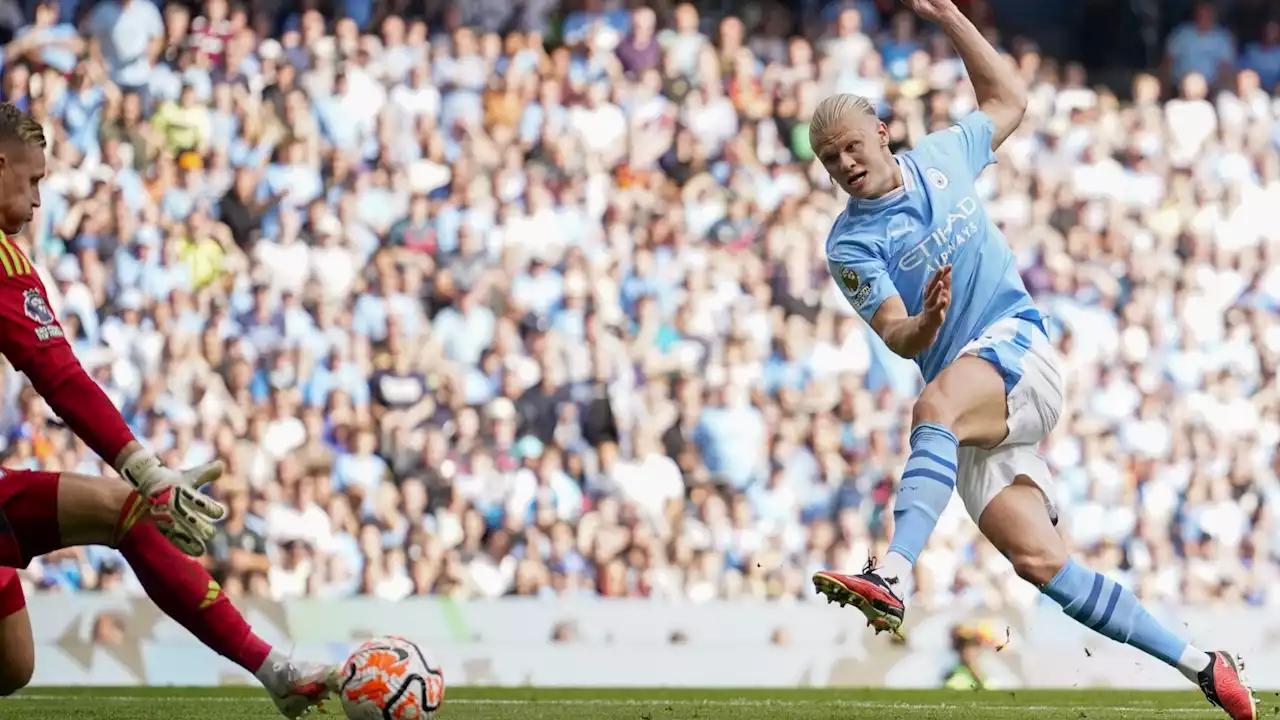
(1002, 95)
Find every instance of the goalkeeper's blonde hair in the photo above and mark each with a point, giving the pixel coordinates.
(19, 127)
(833, 111)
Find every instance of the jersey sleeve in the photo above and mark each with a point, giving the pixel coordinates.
(967, 142)
(861, 273)
(27, 323)
(36, 345)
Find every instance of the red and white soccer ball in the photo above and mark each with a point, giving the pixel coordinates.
(391, 678)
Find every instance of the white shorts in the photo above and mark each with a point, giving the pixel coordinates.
(1034, 389)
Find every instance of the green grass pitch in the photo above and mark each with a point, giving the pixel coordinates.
(635, 704)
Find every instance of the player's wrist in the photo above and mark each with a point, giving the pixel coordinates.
(127, 453)
(914, 336)
(951, 19)
(140, 468)
(929, 320)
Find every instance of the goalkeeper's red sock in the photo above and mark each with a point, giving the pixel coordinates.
(184, 590)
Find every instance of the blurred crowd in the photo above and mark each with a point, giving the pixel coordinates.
(480, 298)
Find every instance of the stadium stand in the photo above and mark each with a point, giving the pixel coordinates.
(482, 302)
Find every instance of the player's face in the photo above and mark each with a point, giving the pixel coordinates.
(22, 167)
(856, 156)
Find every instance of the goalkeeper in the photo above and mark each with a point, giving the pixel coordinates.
(155, 517)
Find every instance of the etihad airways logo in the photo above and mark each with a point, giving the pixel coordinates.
(936, 248)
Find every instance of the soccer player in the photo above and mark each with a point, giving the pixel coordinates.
(913, 233)
(155, 517)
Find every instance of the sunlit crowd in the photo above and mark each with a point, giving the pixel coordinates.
(535, 303)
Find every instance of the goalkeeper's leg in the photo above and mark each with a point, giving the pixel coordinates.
(50, 511)
(17, 649)
(1018, 524)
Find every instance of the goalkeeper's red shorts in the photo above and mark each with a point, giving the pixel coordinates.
(11, 597)
(28, 516)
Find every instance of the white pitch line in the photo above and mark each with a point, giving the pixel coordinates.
(861, 704)
(685, 702)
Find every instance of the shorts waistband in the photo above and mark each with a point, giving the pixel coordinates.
(1035, 317)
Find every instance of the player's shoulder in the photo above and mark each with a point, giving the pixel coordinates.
(932, 161)
(16, 269)
(954, 136)
(856, 232)
(935, 144)
(946, 155)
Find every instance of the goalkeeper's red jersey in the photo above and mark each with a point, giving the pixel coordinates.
(34, 342)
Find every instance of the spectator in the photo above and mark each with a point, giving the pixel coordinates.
(127, 35)
(1263, 56)
(47, 41)
(1201, 46)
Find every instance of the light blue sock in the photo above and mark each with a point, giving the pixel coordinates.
(1106, 607)
(925, 490)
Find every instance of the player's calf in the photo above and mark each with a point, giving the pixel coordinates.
(186, 592)
(1019, 526)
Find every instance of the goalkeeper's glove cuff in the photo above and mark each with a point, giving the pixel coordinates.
(141, 470)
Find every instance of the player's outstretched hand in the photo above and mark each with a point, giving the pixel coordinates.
(937, 297)
(931, 10)
(180, 511)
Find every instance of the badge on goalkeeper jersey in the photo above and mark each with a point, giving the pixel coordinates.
(37, 310)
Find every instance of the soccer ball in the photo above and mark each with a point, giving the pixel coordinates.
(391, 678)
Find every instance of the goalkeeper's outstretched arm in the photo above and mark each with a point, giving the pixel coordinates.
(34, 343)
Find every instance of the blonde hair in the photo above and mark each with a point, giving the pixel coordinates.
(832, 111)
(17, 126)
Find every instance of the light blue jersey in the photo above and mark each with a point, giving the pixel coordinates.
(893, 245)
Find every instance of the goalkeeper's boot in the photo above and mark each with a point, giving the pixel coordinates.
(1224, 687)
(869, 592)
(298, 688)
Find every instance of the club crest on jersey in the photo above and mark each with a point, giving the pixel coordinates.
(35, 307)
(936, 178)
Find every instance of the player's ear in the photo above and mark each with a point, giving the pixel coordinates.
(883, 131)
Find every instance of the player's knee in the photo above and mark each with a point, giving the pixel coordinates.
(932, 407)
(1039, 566)
(15, 675)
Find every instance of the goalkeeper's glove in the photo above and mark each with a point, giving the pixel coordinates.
(180, 511)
